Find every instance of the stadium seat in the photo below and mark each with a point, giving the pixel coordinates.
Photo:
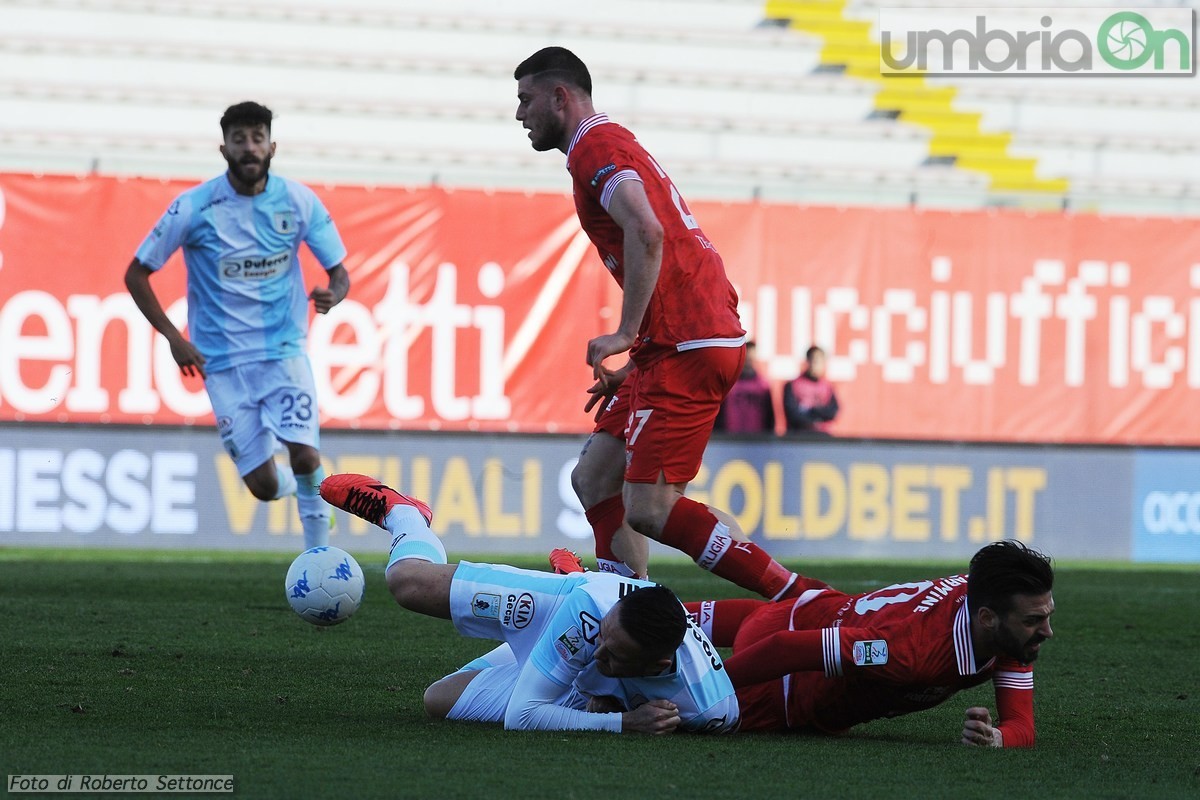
(407, 91)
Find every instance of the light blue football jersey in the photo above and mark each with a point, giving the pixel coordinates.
(696, 683)
(246, 296)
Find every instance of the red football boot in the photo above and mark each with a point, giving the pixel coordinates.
(565, 562)
(366, 497)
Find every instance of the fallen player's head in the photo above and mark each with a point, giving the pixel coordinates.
(640, 634)
(1009, 598)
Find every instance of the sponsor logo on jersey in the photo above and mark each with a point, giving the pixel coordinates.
(611, 263)
(569, 643)
(518, 610)
(174, 208)
(590, 626)
(284, 221)
(600, 173)
(255, 268)
(871, 653)
(486, 606)
(224, 425)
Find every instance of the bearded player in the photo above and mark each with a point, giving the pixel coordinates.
(828, 661)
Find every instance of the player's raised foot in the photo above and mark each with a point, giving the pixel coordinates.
(365, 497)
(565, 562)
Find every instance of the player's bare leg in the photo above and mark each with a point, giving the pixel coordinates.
(632, 549)
(417, 574)
(266, 483)
(421, 586)
(441, 696)
(598, 479)
(270, 481)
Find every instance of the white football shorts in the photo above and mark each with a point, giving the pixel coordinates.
(258, 403)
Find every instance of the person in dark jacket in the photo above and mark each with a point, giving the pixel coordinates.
(809, 402)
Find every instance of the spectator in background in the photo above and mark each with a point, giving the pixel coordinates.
(749, 407)
(809, 402)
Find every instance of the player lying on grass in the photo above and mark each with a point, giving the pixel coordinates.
(828, 661)
(625, 649)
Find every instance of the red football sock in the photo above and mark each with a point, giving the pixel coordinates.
(692, 528)
(605, 518)
(721, 619)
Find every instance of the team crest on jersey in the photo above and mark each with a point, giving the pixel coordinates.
(486, 606)
(569, 643)
(870, 653)
(285, 221)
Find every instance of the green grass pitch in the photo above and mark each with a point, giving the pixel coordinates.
(145, 663)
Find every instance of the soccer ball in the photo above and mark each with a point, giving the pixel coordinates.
(324, 585)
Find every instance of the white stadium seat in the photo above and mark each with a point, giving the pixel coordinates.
(414, 91)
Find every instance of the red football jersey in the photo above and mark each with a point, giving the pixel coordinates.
(853, 658)
(694, 304)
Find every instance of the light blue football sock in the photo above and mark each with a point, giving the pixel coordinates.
(315, 513)
(286, 479)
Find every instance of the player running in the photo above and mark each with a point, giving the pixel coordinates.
(679, 325)
(247, 309)
(625, 649)
(828, 661)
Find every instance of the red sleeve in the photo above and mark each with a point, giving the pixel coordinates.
(779, 654)
(834, 651)
(598, 161)
(1014, 702)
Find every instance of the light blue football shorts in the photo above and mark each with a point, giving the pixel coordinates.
(258, 403)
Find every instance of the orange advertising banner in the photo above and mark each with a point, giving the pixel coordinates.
(471, 310)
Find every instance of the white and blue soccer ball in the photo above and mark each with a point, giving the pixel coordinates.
(324, 585)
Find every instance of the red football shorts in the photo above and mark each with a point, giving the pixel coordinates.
(672, 407)
(616, 413)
